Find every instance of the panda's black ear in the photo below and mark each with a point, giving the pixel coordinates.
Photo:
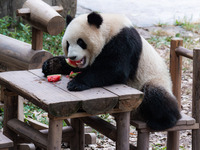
(95, 19)
(68, 19)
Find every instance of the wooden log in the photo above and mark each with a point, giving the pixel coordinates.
(55, 134)
(18, 55)
(123, 130)
(77, 141)
(184, 52)
(27, 11)
(44, 17)
(196, 98)
(176, 72)
(27, 132)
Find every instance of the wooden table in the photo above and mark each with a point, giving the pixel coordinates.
(62, 104)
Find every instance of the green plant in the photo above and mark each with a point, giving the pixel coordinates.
(18, 30)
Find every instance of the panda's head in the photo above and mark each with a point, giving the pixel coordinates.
(84, 39)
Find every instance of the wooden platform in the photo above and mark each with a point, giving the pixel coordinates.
(185, 123)
(63, 104)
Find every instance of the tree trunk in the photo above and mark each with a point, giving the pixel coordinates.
(9, 7)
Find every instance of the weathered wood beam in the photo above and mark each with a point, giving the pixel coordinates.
(18, 55)
(196, 98)
(28, 132)
(184, 52)
(27, 11)
(103, 127)
(43, 17)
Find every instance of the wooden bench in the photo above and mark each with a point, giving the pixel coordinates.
(62, 104)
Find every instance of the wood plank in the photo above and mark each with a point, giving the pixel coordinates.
(5, 142)
(106, 100)
(129, 98)
(43, 94)
(184, 121)
(28, 132)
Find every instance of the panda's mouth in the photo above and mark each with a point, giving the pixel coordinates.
(81, 62)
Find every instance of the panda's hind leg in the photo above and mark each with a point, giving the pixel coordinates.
(159, 108)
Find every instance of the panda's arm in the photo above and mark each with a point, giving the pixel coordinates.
(98, 77)
(57, 65)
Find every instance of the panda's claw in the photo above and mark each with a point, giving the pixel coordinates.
(73, 85)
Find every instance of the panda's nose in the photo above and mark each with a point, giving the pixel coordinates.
(72, 57)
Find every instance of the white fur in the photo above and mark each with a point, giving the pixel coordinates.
(151, 69)
(93, 37)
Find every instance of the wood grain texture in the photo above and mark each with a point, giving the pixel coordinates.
(196, 98)
(40, 92)
(106, 100)
(176, 72)
(18, 55)
(184, 52)
(10, 112)
(37, 39)
(27, 132)
(59, 102)
(54, 135)
(77, 141)
(44, 17)
(123, 130)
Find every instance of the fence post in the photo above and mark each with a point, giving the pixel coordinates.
(175, 71)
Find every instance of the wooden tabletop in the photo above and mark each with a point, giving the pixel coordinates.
(59, 102)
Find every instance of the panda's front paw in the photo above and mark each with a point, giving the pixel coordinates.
(53, 65)
(73, 85)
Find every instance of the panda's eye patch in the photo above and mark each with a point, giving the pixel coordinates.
(81, 43)
(67, 47)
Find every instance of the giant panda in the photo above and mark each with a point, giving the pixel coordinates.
(108, 50)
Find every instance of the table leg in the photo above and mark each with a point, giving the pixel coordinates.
(10, 112)
(55, 134)
(77, 142)
(123, 130)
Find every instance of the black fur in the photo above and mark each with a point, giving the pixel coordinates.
(117, 61)
(115, 64)
(56, 65)
(68, 19)
(159, 108)
(95, 19)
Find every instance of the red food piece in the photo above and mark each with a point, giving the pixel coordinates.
(72, 74)
(54, 78)
(72, 63)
